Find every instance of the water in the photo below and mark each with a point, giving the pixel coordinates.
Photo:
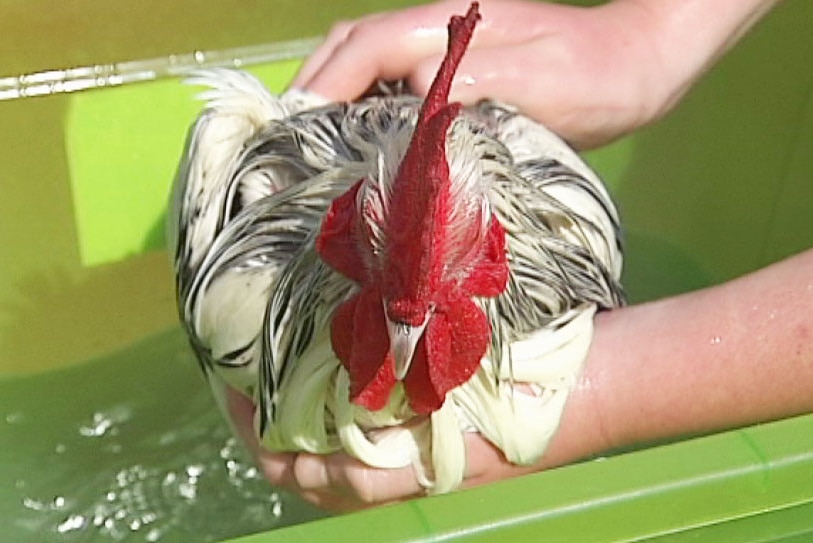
(130, 448)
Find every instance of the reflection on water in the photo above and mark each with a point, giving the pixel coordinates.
(129, 448)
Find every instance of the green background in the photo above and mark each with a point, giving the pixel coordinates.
(721, 187)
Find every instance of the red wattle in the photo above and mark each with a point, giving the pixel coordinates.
(360, 341)
(454, 342)
(337, 242)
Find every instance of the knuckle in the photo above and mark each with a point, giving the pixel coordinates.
(309, 472)
(341, 29)
(363, 485)
(276, 470)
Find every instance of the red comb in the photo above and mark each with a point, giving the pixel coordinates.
(460, 30)
(421, 189)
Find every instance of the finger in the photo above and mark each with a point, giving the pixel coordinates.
(241, 413)
(483, 73)
(310, 472)
(277, 467)
(373, 485)
(501, 73)
(370, 51)
(323, 52)
(389, 45)
(354, 480)
(558, 95)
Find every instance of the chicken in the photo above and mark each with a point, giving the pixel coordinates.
(382, 276)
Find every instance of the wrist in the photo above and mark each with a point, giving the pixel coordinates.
(685, 38)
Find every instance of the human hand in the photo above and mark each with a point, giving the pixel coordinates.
(590, 74)
(581, 71)
(338, 482)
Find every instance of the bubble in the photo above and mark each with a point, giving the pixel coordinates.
(99, 426)
(169, 479)
(105, 422)
(187, 491)
(34, 505)
(73, 522)
(15, 418)
(153, 535)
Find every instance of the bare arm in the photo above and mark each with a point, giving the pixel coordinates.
(722, 357)
(590, 74)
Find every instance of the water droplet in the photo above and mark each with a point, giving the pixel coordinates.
(187, 490)
(194, 470)
(168, 439)
(15, 418)
(98, 427)
(34, 505)
(716, 340)
(169, 479)
(73, 522)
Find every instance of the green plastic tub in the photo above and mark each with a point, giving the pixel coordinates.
(107, 430)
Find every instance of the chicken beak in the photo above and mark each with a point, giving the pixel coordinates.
(403, 341)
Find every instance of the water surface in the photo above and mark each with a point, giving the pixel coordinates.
(129, 447)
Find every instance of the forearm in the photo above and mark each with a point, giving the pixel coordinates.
(689, 36)
(731, 355)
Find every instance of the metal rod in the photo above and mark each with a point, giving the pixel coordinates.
(134, 71)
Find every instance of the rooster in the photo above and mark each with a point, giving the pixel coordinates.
(382, 276)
